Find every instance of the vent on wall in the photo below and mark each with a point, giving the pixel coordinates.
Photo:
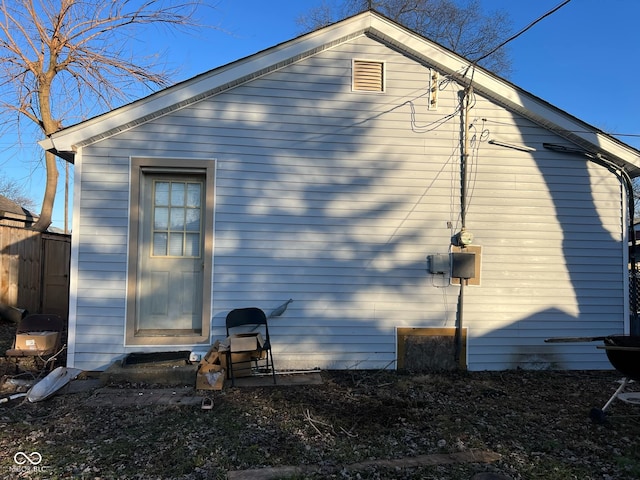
(368, 76)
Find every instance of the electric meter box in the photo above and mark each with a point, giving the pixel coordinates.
(463, 265)
(438, 263)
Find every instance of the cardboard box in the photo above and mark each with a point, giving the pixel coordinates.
(210, 377)
(211, 373)
(243, 342)
(213, 354)
(241, 364)
(40, 341)
(213, 370)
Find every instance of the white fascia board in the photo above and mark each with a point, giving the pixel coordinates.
(501, 91)
(46, 144)
(505, 93)
(562, 123)
(70, 138)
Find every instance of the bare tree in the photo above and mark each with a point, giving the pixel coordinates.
(11, 189)
(62, 60)
(460, 25)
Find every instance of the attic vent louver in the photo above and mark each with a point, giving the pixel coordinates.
(368, 76)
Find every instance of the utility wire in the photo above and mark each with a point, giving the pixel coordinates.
(611, 134)
(513, 37)
(623, 134)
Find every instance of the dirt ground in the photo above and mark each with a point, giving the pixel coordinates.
(355, 425)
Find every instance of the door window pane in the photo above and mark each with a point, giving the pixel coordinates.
(193, 195)
(162, 193)
(192, 245)
(177, 194)
(159, 244)
(177, 219)
(161, 218)
(193, 220)
(175, 244)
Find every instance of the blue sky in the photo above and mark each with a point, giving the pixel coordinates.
(582, 59)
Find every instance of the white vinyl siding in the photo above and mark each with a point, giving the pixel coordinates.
(335, 200)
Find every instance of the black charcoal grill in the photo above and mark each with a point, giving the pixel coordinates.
(623, 352)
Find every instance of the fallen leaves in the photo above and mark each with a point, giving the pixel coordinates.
(357, 424)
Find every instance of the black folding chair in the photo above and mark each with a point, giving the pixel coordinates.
(250, 320)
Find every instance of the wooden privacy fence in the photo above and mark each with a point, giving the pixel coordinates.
(34, 270)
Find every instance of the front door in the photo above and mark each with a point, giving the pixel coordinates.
(171, 256)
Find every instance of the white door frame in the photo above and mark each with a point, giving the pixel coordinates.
(140, 166)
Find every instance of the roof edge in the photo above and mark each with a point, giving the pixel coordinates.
(509, 95)
(66, 142)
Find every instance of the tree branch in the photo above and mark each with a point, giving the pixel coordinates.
(65, 57)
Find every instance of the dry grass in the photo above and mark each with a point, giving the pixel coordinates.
(346, 428)
(537, 421)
